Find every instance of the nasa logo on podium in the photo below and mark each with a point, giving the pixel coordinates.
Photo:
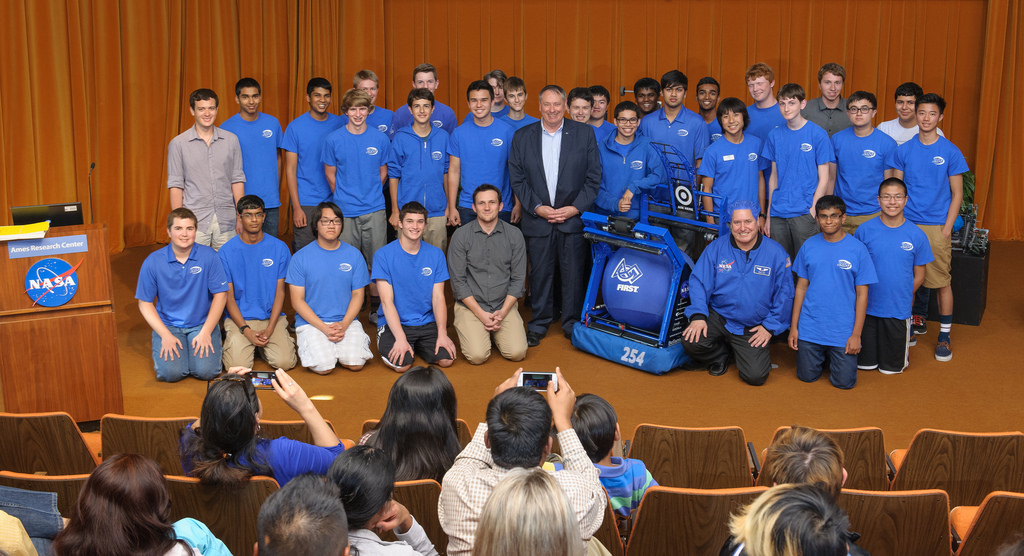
(51, 282)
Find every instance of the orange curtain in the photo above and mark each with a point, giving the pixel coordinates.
(101, 81)
(998, 192)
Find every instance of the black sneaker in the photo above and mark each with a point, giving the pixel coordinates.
(718, 368)
(918, 325)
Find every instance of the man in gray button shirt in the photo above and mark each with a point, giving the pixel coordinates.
(829, 110)
(487, 264)
(204, 172)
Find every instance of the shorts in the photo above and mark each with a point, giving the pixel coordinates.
(936, 273)
(423, 340)
(321, 355)
(367, 233)
(884, 345)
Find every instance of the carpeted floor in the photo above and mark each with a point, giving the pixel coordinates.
(979, 390)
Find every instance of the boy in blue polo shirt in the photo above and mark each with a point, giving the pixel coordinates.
(733, 167)
(260, 136)
(303, 146)
(599, 113)
(515, 97)
(417, 168)
(931, 166)
(378, 118)
(326, 280)
(478, 152)
(674, 124)
(862, 155)
(799, 153)
(902, 249)
(256, 264)
(181, 291)
(833, 272)
(708, 91)
(597, 427)
(355, 160)
(413, 314)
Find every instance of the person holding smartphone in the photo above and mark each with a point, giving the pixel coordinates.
(224, 446)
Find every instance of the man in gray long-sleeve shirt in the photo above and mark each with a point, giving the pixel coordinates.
(487, 264)
(204, 172)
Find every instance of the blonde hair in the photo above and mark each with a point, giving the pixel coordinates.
(528, 514)
(792, 520)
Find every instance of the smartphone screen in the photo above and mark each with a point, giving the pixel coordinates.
(537, 381)
(262, 380)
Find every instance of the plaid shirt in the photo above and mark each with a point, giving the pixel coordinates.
(474, 475)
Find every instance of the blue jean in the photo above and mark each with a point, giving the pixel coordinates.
(842, 366)
(37, 512)
(187, 363)
(270, 221)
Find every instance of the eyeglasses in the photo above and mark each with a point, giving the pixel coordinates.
(330, 222)
(624, 121)
(898, 197)
(826, 217)
(253, 215)
(859, 109)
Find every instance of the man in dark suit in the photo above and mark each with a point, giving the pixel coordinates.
(555, 171)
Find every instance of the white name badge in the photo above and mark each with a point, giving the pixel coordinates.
(729, 157)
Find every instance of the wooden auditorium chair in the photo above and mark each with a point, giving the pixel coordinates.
(983, 529)
(229, 512)
(49, 443)
(899, 523)
(685, 521)
(968, 466)
(154, 437)
(420, 497)
(706, 458)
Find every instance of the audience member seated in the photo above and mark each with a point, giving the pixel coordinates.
(227, 449)
(304, 517)
(1014, 549)
(366, 479)
(803, 455)
(791, 520)
(597, 427)
(33, 512)
(528, 514)
(124, 508)
(418, 428)
(516, 435)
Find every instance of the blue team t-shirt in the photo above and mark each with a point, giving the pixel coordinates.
(412, 277)
(714, 131)
(358, 189)
(182, 292)
(833, 271)
(253, 271)
(259, 140)
(735, 169)
(764, 120)
(860, 168)
(420, 165)
(329, 277)
(687, 133)
(797, 153)
(926, 171)
(305, 137)
(605, 130)
(896, 250)
(443, 117)
(483, 157)
(518, 124)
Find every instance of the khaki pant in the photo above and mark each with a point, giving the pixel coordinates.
(852, 222)
(240, 352)
(212, 236)
(436, 232)
(475, 340)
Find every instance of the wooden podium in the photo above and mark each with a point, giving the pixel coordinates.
(60, 358)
